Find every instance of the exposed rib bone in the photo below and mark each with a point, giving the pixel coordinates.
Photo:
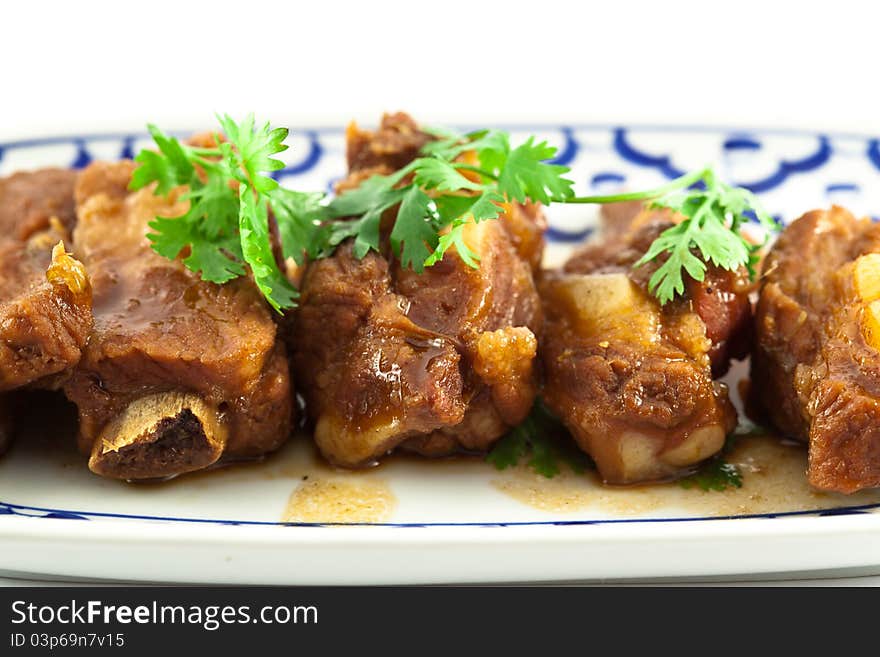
(161, 435)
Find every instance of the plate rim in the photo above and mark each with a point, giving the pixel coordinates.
(432, 555)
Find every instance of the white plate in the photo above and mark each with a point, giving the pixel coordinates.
(291, 519)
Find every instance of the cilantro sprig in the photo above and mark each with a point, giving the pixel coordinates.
(225, 229)
(710, 232)
(716, 474)
(441, 199)
(457, 180)
(543, 440)
(439, 194)
(545, 443)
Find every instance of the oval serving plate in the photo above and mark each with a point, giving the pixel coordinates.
(291, 519)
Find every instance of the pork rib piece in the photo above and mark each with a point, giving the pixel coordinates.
(31, 200)
(177, 372)
(816, 360)
(45, 297)
(434, 362)
(630, 379)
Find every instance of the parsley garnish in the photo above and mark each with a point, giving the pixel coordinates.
(226, 227)
(709, 233)
(457, 180)
(542, 438)
(716, 473)
(439, 194)
(544, 441)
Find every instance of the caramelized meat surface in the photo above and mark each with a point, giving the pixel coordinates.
(394, 144)
(630, 379)
(816, 360)
(30, 200)
(45, 312)
(721, 299)
(45, 297)
(434, 362)
(177, 372)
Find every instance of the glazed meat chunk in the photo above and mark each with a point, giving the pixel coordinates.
(177, 372)
(816, 360)
(31, 202)
(434, 362)
(45, 297)
(630, 379)
(721, 299)
(45, 311)
(394, 144)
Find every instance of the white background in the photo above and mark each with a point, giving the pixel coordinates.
(102, 65)
(106, 65)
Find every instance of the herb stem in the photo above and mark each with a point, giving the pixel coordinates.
(682, 182)
(205, 152)
(471, 167)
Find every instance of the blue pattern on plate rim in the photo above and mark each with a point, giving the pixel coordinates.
(605, 157)
(39, 512)
(612, 156)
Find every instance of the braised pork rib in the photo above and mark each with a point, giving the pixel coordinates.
(434, 362)
(177, 372)
(630, 379)
(45, 296)
(816, 359)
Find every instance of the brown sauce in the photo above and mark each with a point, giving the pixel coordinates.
(342, 499)
(773, 481)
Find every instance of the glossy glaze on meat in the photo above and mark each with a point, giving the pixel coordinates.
(630, 379)
(171, 374)
(31, 199)
(814, 372)
(45, 297)
(721, 299)
(178, 372)
(434, 362)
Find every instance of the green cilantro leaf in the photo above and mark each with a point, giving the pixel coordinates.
(709, 233)
(460, 211)
(367, 237)
(526, 176)
(486, 206)
(716, 474)
(437, 200)
(218, 259)
(491, 147)
(225, 230)
(214, 204)
(542, 438)
(434, 173)
(454, 237)
(249, 151)
(435, 197)
(257, 250)
(414, 237)
(711, 227)
(169, 168)
(299, 215)
(510, 450)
